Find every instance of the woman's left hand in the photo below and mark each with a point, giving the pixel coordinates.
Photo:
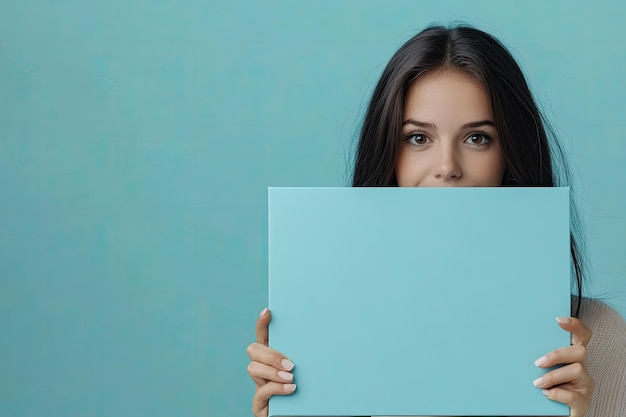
(571, 383)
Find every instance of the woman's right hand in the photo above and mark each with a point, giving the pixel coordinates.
(269, 369)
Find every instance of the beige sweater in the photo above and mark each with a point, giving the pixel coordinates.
(606, 358)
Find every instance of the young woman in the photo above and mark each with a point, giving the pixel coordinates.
(453, 109)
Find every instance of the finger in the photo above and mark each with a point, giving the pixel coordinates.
(258, 382)
(263, 412)
(262, 335)
(565, 355)
(574, 373)
(581, 334)
(263, 373)
(269, 356)
(577, 402)
(263, 394)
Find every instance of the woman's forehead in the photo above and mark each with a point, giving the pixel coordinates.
(447, 95)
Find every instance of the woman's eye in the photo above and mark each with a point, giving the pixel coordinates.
(478, 139)
(417, 139)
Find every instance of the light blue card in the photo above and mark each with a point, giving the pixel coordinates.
(417, 301)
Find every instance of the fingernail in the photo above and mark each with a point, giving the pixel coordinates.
(264, 312)
(541, 361)
(289, 387)
(537, 382)
(285, 375)
(287, 364)
(563, 320)
(545, 392)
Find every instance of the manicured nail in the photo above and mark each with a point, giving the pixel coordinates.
(541, 361)
(563, 320)
(264, 312)
(289, 387)
(287, 376)
(537, 382)
(287, 364)
(545, 392)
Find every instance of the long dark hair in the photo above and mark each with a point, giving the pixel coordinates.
(524, 134)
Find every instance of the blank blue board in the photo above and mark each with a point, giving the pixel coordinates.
(415, 301)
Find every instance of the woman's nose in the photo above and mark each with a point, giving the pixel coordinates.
(447, 166)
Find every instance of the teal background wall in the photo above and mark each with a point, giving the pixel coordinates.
(137, 139)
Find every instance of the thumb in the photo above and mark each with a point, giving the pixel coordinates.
(262, 323)
(581, 334)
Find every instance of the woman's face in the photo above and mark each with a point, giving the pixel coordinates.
(449, 138)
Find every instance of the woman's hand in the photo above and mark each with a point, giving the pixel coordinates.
(571, 383)
(269, 369)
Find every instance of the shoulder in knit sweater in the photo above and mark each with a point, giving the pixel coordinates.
(606, 323)
(606, 358)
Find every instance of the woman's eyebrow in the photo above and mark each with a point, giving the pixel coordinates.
(478, 124)
(426, 125)
(419, 124)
